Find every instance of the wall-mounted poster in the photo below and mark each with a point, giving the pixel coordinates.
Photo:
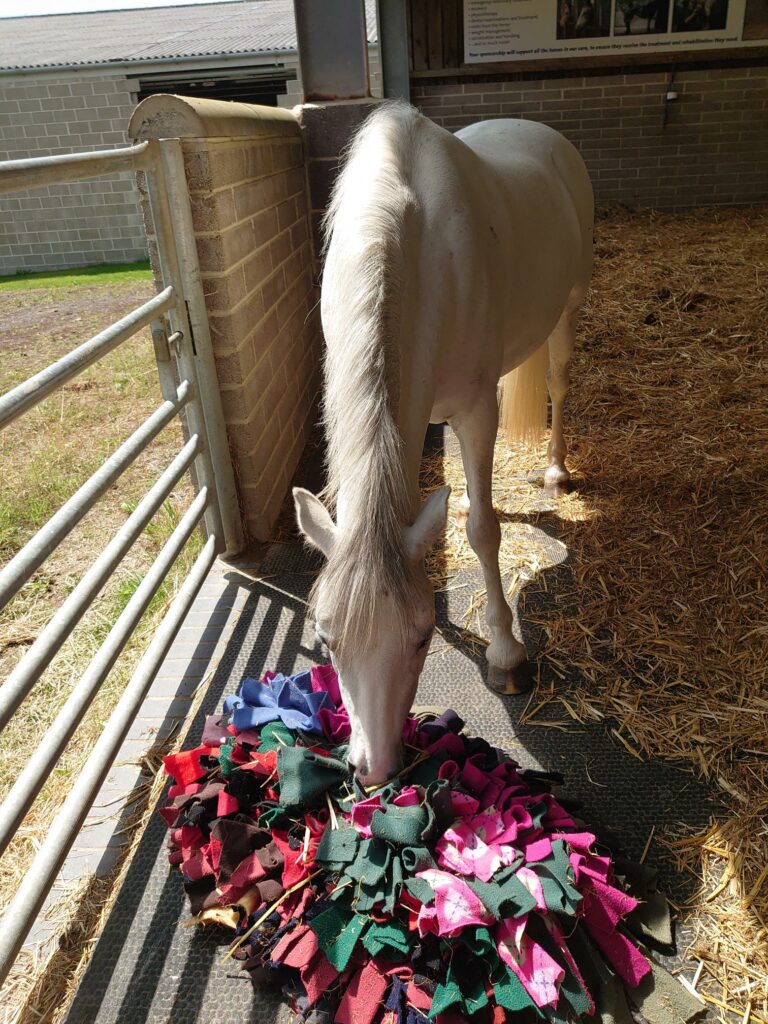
(508, 30)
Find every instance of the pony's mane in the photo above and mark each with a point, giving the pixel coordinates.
(366, 219)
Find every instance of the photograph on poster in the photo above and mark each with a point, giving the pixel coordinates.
(756, 20)
(634, 17)
(699, 15)
(583, 19)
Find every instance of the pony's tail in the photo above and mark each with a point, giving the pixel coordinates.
(524, 399)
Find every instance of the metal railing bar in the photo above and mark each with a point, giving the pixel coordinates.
(23, 564)
(168, 257)
(43, 650)
(35, 389)
(34, 172)
(31, 893)
(49, 749)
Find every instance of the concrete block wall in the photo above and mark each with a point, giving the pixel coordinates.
(96, 221)
(328, 128)
(250, 211)
(713, 148)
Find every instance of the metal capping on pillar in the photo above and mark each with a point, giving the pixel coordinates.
(333, 49)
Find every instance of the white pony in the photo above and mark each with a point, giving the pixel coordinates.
(451, 259)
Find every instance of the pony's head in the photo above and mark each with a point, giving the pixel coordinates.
(374, 609)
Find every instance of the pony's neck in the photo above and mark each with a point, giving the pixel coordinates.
(364, 281)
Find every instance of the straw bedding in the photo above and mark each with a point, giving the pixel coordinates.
(662, 607)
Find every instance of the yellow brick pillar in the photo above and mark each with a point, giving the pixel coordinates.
(247, 181)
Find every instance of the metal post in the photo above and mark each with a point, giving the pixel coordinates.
(207, 379)
(157, 186)
(333, 49)
(393, 49)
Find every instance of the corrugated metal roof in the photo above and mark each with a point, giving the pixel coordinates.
(152, 33)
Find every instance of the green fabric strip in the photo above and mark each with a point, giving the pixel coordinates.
(305, 777)
(507, 899)
(611, 1005)
(275, 735)
(416, 858)
(394, 883)
(420, 889)
(509, 992)
(401, 825)
(338, 845)
(371, 862)
(447, 994)
(225, 757)
(337, 934)
(662, 999)
(556, 875)
(651, 920)
(392, 937)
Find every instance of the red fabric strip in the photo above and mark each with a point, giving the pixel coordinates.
(362, 999)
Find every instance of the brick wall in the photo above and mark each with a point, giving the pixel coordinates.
(712, 149)
(73, 225)
(250, 213)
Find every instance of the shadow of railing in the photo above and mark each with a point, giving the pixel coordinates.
(142, 988)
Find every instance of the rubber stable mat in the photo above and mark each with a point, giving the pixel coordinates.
(147, 969)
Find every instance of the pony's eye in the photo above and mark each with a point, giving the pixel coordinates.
(322, 637)
(424, 641)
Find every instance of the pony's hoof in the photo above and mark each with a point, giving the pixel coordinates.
(557, 488)
(511, 681)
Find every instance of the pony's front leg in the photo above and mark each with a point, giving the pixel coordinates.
(561, 342)
(508, 668)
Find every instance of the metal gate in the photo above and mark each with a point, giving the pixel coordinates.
(176, 315)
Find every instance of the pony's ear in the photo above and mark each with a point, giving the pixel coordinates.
(429, 524)
(314, 520)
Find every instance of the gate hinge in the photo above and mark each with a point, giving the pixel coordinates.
(191, 329)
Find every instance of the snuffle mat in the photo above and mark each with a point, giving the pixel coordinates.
(462, 890)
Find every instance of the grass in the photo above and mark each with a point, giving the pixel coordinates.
(46, 455)
(101, 273)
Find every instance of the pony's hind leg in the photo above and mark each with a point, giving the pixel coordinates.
(508, 668)
(561, 342)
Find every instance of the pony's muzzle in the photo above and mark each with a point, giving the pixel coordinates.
(372, 769)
